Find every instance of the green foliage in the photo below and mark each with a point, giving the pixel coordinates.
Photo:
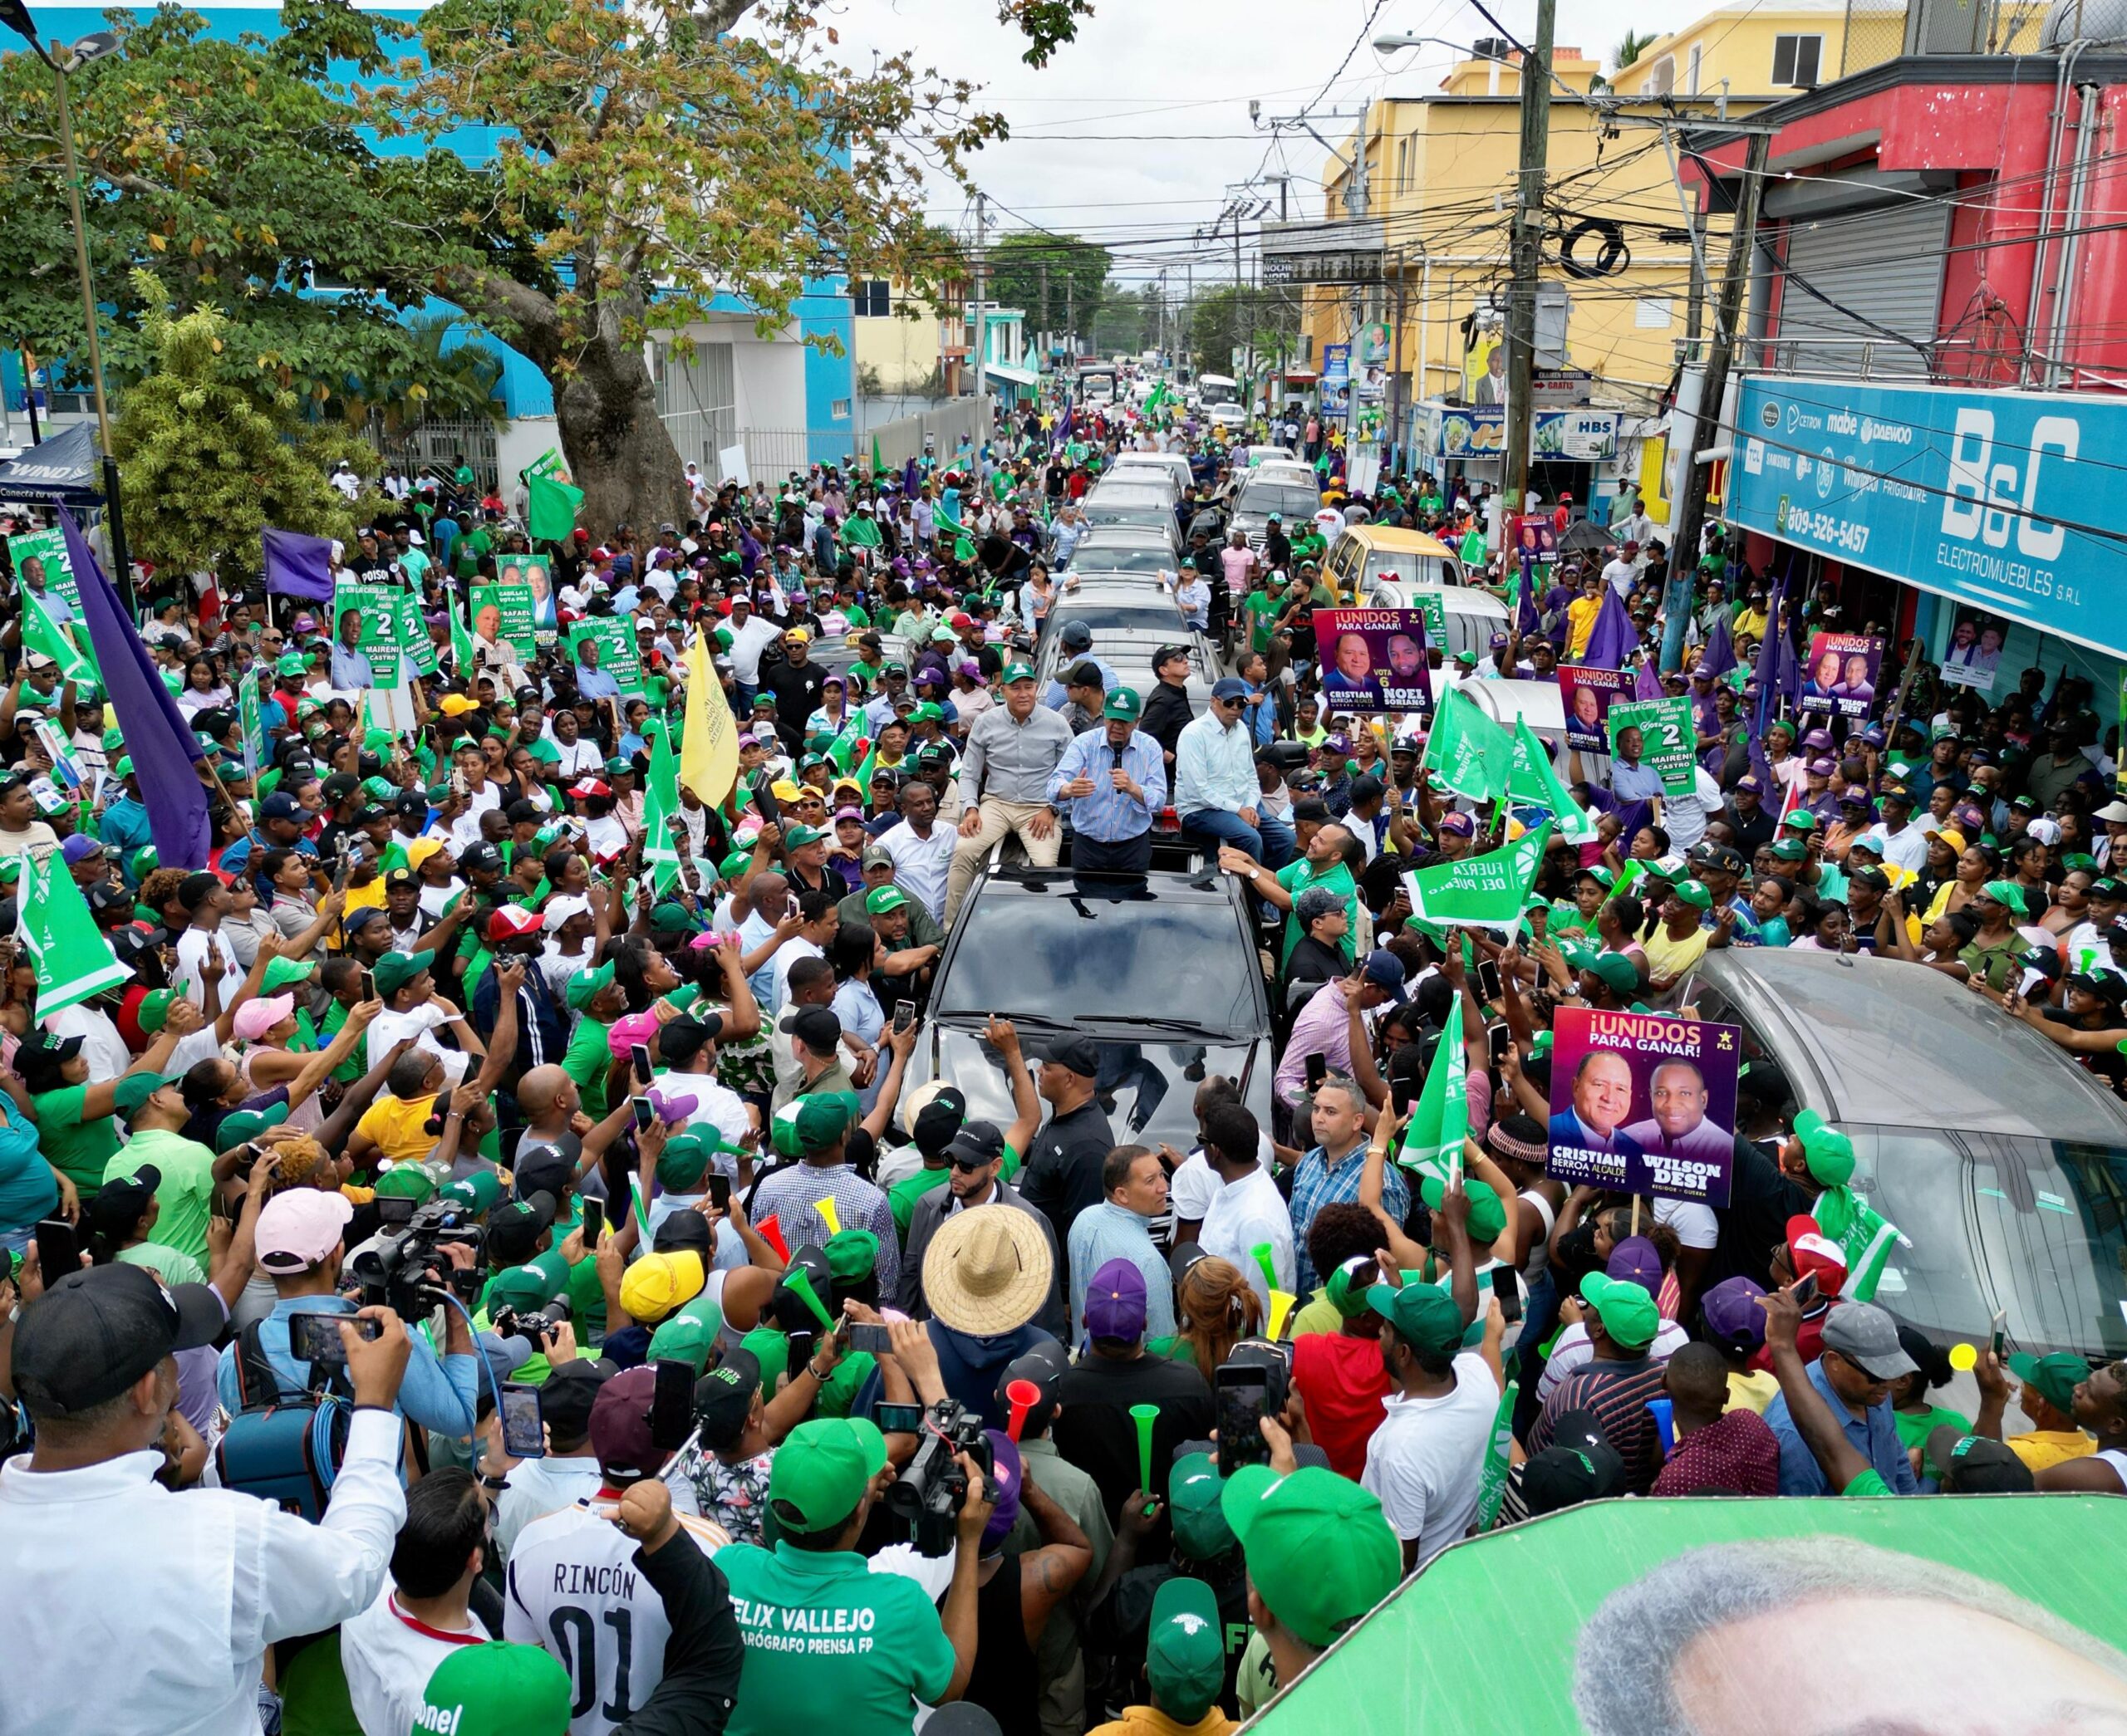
(1078, 278)
(208, 451)
(1225, 319)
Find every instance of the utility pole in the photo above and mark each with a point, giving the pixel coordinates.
(982, 326)
(1044, 305)
(1707, 432)
(1528, 247)
(1071, 318)
(1694, 303)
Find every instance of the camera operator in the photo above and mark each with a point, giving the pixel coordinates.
(300, 1248)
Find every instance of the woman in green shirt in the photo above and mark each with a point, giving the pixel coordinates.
(1912, 1413)
(75, 1129)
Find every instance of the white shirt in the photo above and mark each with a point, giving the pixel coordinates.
(1425, 1461)
(466, 829)
(573, 1574)
(536, 1487)
(717, 1107)
(1572, 1351)
(388, 1656)
(788, 953)
(1243, 1214)
(194, 946)
(102, 1046)
(920, 864)
(224, 1574)
(748, 642)
(577, 757)
(421, 1023)
(1909, 849)
(1621, 574)
(1686, 816)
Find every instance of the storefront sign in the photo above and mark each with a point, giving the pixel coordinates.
(1476, 431)
(1953, 491)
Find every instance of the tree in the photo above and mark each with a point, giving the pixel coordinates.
(1225, 319)
(207, 458)
(1631, 46)
(1078, 278)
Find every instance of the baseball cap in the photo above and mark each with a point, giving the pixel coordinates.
(1827, 1151)
(1384, 970)
(394, 971)
(513, 922)
(544, 1169)
(1972, 1464)
(566, 1395)
(297, 1229)
(1733, 1318)
(1230, 687)
(821, 1472)
(1194, 1490)
(1580, 1464)
(724, 1398)
(620, 1424)
(1077, 1055)
(657, 1283)
(2054, 1377)
(1122, 704)
(1811, 1253)
(1627, 1312)
(880, 899)
(133, 1090)
(1185, 1649)
(1115, 1302)
(1426, 1318)
(501, 1688)
(95, 1331)
(1635, 1260)
(1319, 1552)
(1867, 1337)
(1487, 1215)
(586, 986)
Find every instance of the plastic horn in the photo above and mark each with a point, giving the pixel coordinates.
(770, 1230)
(800, 1282)
(1281, 1307)
(1023, 1397)
(1664, 1425)
(1144, 1415)
(1262, 1253)
(825, 1208)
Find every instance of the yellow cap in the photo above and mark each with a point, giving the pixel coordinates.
(657, 1283)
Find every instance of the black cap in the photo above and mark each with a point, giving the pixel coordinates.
(818, 1028)
(1580, 1464)
(976, 1144)
(723, 1399)
(1972, 1464)
(514, 1230)
(939, 1119)
(544, 1169)
(685, 1230)
(1074, 1054)
(119, 1205)
(682, 1039)
(1044, 1366)
(94, 1333)
(130, 942)
(566, 1395)
(105, 898)
(41, 1042)
(483, 855)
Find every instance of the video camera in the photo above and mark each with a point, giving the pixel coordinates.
(928, 1492)
(404, 1270)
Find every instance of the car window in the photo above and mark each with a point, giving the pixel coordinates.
(1406, 567)
(1152, 619)
(1091, 560)
(1098, 959)
(1279, 497)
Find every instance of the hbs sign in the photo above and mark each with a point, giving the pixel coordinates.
(1974, 495)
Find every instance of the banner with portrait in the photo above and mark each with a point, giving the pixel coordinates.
(1666, 739)
(1839, 677)
(1586, 695)
(1644, 1102)
(1374, 660)
(614, 635)
(533, 571)
(47, 549)
(1972, 657)
(375, 607)
(503, 615)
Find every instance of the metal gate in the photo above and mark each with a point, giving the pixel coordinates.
(1883, 268)
(439, 444)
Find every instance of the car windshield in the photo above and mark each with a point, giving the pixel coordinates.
(1286, 500)
(2034, 1226)
(1151, 619)
(1108, 513)
(1145, 559)
(1402, 567)
(1098, 959)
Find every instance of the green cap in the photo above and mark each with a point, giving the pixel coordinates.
(681, 1164)
(799, 836)
(880, 899)
(113, 738)
(822, 1471)
(1017, 672)
(394, 971)
(1615, 972)
(2005, 892)
(145, 861)
(734, 864)
(406, 1181)
(518, 1287)
(292, 664)
(1193, 1490)
(1342, 1289)
(852, 1255)
(1790, 849)
(280, 972)
(586, 985)
(501, 1688)
(1694, 894)
(124, 768)
(926, 712)
(135, 1089)
(686, 1338)
(822, 1118)
(481, 1191)
(2055, 1378)
(1319, 1552)
(1827, 1152)
(618, 767)
(1627, 1312)
(771, 1349)
(671, 918)
(1425, 1318)
(1185, 1649)
(153, 1012)
(1802, 820)
(245, 1124)
(1121, 704)
(1487, 1216)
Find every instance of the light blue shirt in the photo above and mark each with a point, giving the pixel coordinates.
(1109, 816)
(1874, 1436)
(597, 683)
(1214, 766)
(1055, 697)
(438, 1392)
(1110, 1232)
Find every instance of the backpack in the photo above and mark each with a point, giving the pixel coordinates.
(283, 1448)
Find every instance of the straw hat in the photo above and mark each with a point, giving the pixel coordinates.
(988, 1271)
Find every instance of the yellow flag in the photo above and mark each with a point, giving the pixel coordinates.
(708, 758)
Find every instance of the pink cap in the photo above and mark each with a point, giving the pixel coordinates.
(628, 1029)
(297, 1229)
(255, 1018)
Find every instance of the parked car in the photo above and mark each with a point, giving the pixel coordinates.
(1116, 603)
(1294, 503)
(2002, 1163)
(1130, 466)
(1168, 984)
(1121, 548)
(1147, 507)
(1364, 556)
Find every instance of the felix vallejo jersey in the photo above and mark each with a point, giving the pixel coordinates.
(574, 1589)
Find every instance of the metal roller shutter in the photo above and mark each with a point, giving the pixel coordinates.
(1885, 265)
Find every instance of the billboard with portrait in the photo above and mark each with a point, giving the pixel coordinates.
(1977, 639)
(1644, 1102)
(1586, 695)
(1374, 660)
(532, 571)
(503, 616)
(1840, 677)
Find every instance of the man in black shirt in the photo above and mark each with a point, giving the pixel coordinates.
(1166, 706)
(1322, 920)
(796, 682)
(1063, 1175)
(1277, 547)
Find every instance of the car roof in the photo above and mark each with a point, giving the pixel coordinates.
(1394, 540)
(1881, 1042)
(1504, 701)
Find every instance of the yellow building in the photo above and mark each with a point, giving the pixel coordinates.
(903, 344)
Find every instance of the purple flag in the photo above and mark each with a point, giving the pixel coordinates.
(1719, 653)
(162, 746)
(1768, 670)
(911, 477)
(297, 565)
(1645, 683)
(1614, 638)
(1526, 621)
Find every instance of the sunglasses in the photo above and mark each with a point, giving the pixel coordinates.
(969, 1165)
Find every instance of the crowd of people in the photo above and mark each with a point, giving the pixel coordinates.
(489, 1260)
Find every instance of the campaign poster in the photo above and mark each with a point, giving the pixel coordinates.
(617, 650)
(1668, 740)
(47, 549)
(1587, 695)
(1374, 660)
(533, 571)
(503, 615)
(1839, 678)
(413, 640)
(377, 608)
(1643, 1102)
(1535, 535)
(1977, 640)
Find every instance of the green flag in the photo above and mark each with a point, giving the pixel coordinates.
(1491, 1481)
(74, 961)
(1440, 1120)
(252, 723)
(1472, 755)
(554, 507)
(464, 657)
(661, 801)
(41, 632)
(1483, 892)
(1865, 1235)
(1535, 780)
(878, 464)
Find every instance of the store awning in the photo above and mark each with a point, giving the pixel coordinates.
(63, 469)
(1017, 376)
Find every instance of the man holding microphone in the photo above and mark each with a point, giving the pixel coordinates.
(1114, 780)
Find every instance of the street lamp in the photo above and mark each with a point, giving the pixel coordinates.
(63, 62)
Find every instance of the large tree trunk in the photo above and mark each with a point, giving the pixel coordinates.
(616, 449)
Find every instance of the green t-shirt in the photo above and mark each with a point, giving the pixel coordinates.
(1261, 609)
(187, 1168)
(80, 1150)
(349, 1071)
(1914, 1427)
(830, 1645)
(1296, 878)
(902, 1195)
(586, 1061)
(171, 1265)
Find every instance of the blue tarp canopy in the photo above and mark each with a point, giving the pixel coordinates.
(64, 468)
